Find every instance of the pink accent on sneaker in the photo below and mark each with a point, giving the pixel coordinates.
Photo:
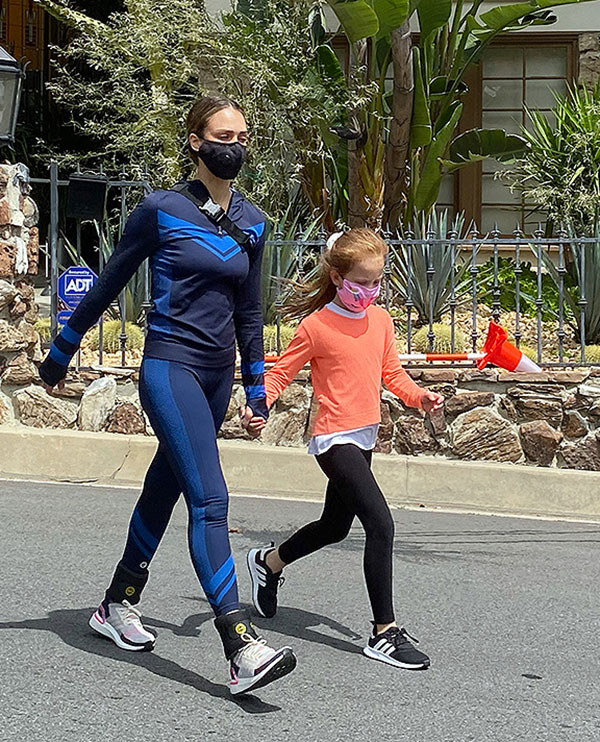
(100, 615)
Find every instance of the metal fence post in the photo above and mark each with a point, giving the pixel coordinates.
(53, 239)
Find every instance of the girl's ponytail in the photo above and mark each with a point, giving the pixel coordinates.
(344, 249)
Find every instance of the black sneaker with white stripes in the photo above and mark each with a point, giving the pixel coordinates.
(264, 582)
(394, 648)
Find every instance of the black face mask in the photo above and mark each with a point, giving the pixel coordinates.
(223, 160)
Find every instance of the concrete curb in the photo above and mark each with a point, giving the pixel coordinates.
(253, 468)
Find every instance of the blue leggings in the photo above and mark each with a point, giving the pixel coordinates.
(186, 406)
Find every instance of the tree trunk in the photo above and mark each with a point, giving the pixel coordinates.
(398, 147)
(357, 206)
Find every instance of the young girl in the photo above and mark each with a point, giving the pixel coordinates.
(351, 346)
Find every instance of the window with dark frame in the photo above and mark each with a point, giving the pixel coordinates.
(519, 72)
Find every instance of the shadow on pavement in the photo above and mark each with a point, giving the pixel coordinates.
(292, 622)
(70, 625)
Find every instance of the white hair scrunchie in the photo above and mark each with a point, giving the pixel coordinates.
(332, 239)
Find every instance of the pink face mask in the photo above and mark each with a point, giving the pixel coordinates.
(356, 297)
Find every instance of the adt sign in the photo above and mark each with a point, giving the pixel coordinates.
(73, 285)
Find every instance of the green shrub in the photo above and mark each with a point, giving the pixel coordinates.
(442, 341)
(111, 331)
(528, 351)
(42, 327)
(592, 353)
(270, 337)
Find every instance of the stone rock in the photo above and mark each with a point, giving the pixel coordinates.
(413, 437)
(29, 333)
(11, 339)
(588, 399)
(294, 396)
(30, 212)
(7, 412)
(574, 425)
(33, 251)
(126, 418)
(439, 376)
(7, 259)
(285, 428)
(465, 401)
(18, 308)
(568, 377)
(584, 454)
(482, 434)
(540, 441)
(589, 42)
(26, 290)
(385, 434)
(20, 370)
(437, 422)
(487, 374)
(40, 410)
(538, 402)
(508, 409)
(446, 390)
(32, 314)
(97, 403)
(527, 378)
(8, 293)
(72, 389)
(232, 427)
(4, 212)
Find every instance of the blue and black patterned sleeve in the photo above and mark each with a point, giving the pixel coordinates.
(248, 321)
(139, 241)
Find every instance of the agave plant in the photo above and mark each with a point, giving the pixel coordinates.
(286, 258)
(580, 286)
(427, 275)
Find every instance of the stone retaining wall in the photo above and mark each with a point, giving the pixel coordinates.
(550, 419)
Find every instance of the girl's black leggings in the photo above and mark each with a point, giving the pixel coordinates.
(352, 491)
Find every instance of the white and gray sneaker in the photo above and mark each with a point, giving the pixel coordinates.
(257, 665)
(122, 623)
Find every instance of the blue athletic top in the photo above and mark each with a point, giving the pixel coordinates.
(205, 289)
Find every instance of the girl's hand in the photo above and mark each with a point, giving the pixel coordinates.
(431, 401)
(250, 422)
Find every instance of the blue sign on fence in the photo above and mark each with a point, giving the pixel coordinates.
(73, 285)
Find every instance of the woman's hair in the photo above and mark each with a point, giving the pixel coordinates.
(350, 247)
(201, 112)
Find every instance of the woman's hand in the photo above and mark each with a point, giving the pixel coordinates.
(431, 401)
(251, 422)
(50, 389)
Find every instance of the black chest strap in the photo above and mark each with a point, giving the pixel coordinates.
(216, 214)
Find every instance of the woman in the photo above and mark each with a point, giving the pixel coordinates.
(205, 292)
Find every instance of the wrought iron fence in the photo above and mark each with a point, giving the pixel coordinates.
(60, 251)
(543, 290)
(461, 281)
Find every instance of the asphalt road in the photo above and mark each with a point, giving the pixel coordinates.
(507, 609)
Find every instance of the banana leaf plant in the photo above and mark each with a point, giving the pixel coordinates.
(418, 126)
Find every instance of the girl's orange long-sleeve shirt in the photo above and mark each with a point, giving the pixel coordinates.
(348, 359)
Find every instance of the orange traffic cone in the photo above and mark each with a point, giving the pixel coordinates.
(500, 352)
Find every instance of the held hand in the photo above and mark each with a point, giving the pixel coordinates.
(250, 422)
(431, 401)
(50, 389)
